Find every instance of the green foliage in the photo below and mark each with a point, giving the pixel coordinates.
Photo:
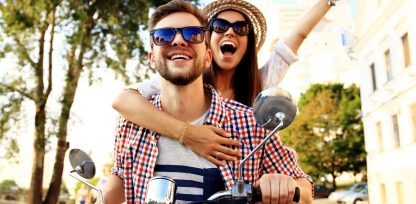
(7, 184)
(9, 116)
(328, 131)
(107, 32)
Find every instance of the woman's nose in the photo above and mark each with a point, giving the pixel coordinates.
(230, 32)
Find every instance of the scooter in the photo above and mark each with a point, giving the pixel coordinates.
(274, 109)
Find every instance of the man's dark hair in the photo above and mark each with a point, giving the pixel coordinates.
(176, 6)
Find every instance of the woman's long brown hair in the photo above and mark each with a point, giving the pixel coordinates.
(246, 79)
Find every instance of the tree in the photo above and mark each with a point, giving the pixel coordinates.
(7, 184)
(328, 131)
(97, 34)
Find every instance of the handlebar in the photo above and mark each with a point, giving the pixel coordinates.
(253, 197)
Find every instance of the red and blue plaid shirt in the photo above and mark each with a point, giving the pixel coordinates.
(135, 150)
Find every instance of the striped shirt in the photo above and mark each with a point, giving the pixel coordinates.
(136, 151)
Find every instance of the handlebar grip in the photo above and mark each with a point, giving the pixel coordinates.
(257, 197)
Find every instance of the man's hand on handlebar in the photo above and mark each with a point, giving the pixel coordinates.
(277, 188)
(211, 143)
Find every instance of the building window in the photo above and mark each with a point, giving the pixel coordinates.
(413, 112)
(388, 65)
(373, 76)
(399, 188)
(396, 132)
(383, 193)
(379, 136)
(406, 50)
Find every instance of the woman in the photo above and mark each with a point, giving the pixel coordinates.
(236, 36)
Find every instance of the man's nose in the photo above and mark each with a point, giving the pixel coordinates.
(178, 40)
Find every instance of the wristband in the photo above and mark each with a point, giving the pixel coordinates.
(332, 2)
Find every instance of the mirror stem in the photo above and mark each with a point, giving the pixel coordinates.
(240, 181)
(100, 193)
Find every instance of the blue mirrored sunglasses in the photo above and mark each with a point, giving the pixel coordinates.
(165, 36)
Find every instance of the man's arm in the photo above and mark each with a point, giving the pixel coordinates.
(114, 190)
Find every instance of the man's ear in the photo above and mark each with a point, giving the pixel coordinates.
(151, 57)
(208, 58)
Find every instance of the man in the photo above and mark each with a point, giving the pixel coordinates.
(180, 54)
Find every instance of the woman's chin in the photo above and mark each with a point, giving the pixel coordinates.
(227, 65)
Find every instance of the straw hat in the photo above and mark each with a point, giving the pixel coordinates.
(249, 10)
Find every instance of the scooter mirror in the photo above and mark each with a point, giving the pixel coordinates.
(269, 103)
(81, 163)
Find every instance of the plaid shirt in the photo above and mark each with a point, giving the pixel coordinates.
(135, 150)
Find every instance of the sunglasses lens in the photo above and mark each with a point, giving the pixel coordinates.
(241, 28)
(163, 36)
(193, 34)
(220, 25)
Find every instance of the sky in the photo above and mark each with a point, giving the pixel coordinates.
(93, 120)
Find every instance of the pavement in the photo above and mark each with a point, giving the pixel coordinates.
(322, 201)
(326, 201)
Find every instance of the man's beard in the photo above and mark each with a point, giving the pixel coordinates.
(180, 79)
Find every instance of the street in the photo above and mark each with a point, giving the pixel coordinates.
(322, 201)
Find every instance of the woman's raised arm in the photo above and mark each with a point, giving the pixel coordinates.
(306, 24)
(284, 52)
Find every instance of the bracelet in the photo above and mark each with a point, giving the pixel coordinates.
(332, 2)
(183, 132)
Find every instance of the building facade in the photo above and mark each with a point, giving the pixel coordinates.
(386, 48)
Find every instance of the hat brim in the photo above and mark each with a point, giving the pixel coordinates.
(253, 14)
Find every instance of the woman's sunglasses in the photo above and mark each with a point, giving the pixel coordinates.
(165, 36)
(220, 25)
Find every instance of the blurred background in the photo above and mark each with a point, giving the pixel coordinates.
(355, 81)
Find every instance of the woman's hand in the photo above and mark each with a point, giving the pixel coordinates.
(211, 143)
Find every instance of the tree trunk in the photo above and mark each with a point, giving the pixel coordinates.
(54, 190)
(73, 76)
(36, 183)
(35, 192)
(334, 183)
